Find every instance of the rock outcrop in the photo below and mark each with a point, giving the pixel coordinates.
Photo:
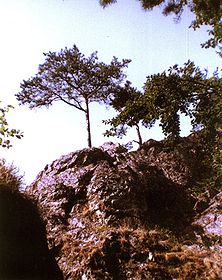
(211, 219)
(114, 214)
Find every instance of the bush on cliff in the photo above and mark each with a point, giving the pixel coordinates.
(23, 245)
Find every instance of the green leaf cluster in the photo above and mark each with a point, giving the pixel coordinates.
(179, 90)
(7, 133)
(121, 100)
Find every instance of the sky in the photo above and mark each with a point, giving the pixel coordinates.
(29, 28)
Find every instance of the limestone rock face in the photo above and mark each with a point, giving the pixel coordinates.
(114, 214)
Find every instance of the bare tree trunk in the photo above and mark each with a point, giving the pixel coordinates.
(140, 140)
(88, 124)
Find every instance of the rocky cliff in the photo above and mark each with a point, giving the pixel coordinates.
(114, 214)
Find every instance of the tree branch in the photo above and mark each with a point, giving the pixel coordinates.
(71, 104)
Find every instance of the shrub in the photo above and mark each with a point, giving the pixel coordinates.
(9, 175)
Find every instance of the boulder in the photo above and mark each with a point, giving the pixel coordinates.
(211, 218)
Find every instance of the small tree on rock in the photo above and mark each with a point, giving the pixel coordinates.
(120, 101)
(181, 90)
(70, 77)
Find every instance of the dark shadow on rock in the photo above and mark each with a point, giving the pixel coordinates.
(24, 253)
(169, 205)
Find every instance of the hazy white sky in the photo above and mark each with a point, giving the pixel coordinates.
(31, 27)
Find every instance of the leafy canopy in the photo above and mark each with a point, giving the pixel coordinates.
(74, 79)
(119, 100)
(206, 13)
(7, 133)
(179, 90)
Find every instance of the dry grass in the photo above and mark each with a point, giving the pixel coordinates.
(9, 175)
(140, 254)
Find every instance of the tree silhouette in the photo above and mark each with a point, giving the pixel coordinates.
(119, 101)
(70, 77)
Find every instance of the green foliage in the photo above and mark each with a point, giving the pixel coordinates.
(119, 101)
(104, 3)
(180, 90)
(215, 40)
(5, 132)
(70, 77)
(122, 95)
(206, 13)
(184, 90)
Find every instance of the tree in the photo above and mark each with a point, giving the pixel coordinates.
(186, 90)
(182, 90)
(119, 101)
(5, 132)
(70, 77)
(206, 13)
(178, 90)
